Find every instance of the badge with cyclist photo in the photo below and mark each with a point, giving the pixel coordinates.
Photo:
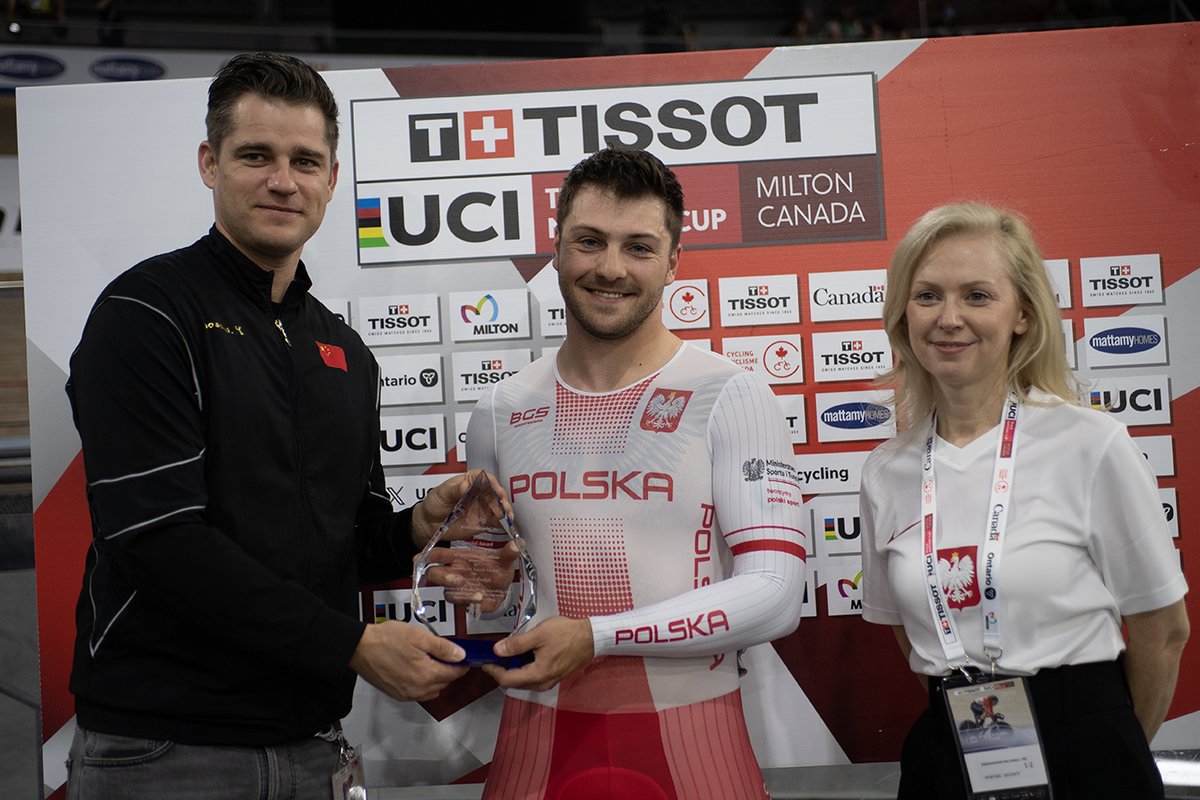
(997, 737)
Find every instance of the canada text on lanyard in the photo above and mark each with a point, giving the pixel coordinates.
(1003, 471)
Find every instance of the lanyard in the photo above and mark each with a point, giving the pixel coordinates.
(1003, 471)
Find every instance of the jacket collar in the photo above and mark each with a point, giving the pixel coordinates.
(249, 278)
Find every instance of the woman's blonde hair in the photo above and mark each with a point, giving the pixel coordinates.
(1037, 358)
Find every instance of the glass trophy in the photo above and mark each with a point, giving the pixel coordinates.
(487, 595)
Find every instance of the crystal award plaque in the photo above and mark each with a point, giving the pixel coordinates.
(495, 596)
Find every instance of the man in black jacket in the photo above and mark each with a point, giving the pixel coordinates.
(230, 430)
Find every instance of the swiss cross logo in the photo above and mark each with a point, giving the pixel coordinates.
(1123, 269)
(759, 291)
(664, 410)
(433, 137)
(488, 134)
(397, 310)
(852, 344)
(492, 365)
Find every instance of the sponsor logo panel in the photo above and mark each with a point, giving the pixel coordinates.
(831, 472)
(843, 585)
(1059, 272)
(406, 380)
(777, 358)
(477, 370)
(857, 294)
(685, 305)
(412, 439)
(759, 300)
(850, 355)
(853, 416)
(1170, 507)
(1159, 452)
(406, 491)
(794, 417)
(451, 219)
(1126, 341)
(684, 124)
(816, 200)
(1121, 280)
(489, 314)
(1138, 400)
(836, 525)
(1068, 329)
(399, 319)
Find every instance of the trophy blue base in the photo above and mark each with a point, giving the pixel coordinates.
(479, 652)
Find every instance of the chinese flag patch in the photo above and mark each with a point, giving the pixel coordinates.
(333, 356)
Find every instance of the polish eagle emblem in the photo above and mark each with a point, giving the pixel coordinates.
(664, 410)
(958, 577)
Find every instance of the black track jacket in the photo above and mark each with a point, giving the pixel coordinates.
(237, 500)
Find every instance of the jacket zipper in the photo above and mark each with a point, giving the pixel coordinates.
(282, 332)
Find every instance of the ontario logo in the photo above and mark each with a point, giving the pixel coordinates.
(1125, 341)
(856, 416)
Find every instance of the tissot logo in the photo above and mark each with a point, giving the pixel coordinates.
(386, 320)
(759, 300)
(484, 134)
(1121, 280)
(474, 372)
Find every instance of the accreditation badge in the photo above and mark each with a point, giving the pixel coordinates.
(996, 733)
(349, 781)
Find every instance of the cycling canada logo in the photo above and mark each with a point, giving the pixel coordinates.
(664, 410)
(688, 304)
(754, 469)
(781, 359)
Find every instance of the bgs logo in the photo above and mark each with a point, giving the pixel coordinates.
(1125, 341)
(856, 416)
(852, 354)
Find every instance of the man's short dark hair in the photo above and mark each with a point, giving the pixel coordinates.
(276, 77)
(627, 174)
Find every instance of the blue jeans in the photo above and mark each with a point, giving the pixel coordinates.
(104, 766)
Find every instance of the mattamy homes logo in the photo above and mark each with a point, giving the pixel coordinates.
(772, 160)
(853, 416)
(1126, 341)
